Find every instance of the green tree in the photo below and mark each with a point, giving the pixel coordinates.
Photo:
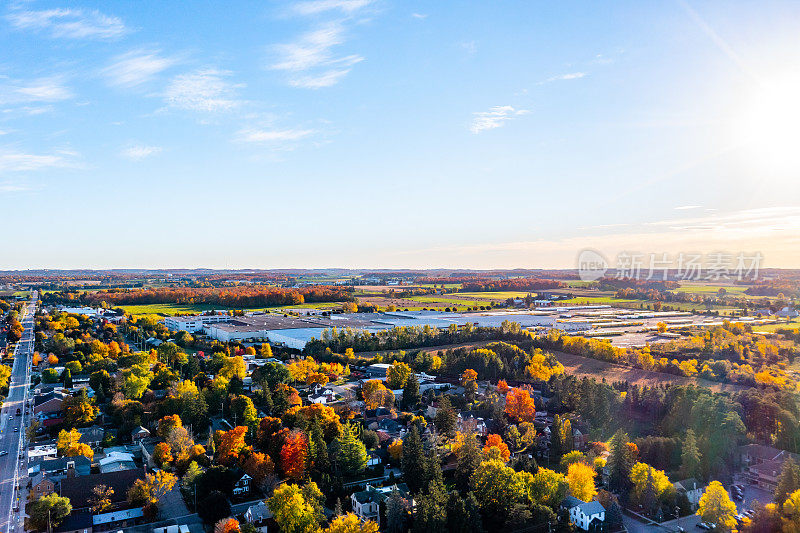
(469, 457)
(52, 508)
(620, 461)
(497, 488)
(431, 512)
(411, 395)
(351, 453)
(788, 480)
(691, 464)
(463, 514)
(413, 463)
(446, 418)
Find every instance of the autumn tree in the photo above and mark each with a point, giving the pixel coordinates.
(68, 444)
(502, 387)
(227, 525)
(351, 523)
(495, 442)
(788, 480)
(258, 466)
(293, 511)
(397, 375)
(520, 405)
(152, 489)
(580, 478)
(377, 395)
(79, 410)
(230, 443)
(101, 498)
(716, 507)
(294, 454)
(469, 381)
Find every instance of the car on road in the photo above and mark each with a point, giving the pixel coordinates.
(3, 453)
(16, 430)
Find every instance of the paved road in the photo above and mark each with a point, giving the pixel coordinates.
(11, 442)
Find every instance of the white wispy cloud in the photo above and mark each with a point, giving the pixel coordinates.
(203, 90)
(15, 161)
(272, 136)
(69, 23)
(136, 67)
(687, 207)
(140, 151)
(313, 7)
(311, 59)
(42, 90)
(564, 77)
(8, 186)
(419, 15)
(495, 117)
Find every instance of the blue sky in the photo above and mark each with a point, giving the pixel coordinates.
(380, 133)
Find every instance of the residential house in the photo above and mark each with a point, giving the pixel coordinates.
(692, 488)
(787, 312)
(76, 522)
(115, 461)
(93, 436)
(41, 485)
(584, 514)
(61, 467)
(47, 407)
(763, 464)
(322, 395)
(139, 433)
(116, 520)
(242, 485)
(258, 515)
(367, 503)
(468, 422)
(79, 489)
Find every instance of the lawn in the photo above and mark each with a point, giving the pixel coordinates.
(702, 288)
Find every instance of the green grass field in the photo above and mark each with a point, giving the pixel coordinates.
(495, 295)
(702, 288)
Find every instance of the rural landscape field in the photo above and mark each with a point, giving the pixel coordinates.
(383, 266)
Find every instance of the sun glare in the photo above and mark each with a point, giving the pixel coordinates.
(770, 126)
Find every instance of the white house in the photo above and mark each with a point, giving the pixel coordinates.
(581, 513)
(787, 312)
(322, 395)
(257, 515)
(193, 324)
(366, 503)
(692, 488)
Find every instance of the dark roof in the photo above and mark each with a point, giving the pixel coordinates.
(79, 489)
(92, 433)
(60, 463)
(571, 501)
(39, 399)
(76, 521)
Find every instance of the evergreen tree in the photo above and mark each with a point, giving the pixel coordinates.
(411, 395)
(556, 446)
(788, 481)
(413, 463)
(690, 457)
(620, 461)
(396, 513)
(469, 457)
(318, 449)
(431, 509)
(446, 417)
(463, 515)
(351, 453)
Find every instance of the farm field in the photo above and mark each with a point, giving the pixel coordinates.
(584, 366)
(702, 288)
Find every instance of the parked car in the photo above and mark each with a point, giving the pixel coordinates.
(3, 453)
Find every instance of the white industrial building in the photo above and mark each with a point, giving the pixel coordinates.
(193, 324)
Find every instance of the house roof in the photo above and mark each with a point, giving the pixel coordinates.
(76, 521)
(592, 507)
(91, 434)
(79, 489)
(571, 501)
(60, 463)
(259, 512)
(40, 399)
(687, 484)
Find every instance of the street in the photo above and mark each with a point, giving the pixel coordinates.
(11, 441)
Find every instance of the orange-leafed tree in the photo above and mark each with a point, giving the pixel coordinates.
(520, 405)
(114, 349)
(467, 376)
(258, 466)
(495, 442)
(294, 455)
(227, 525)
(162, 455)
(377, 395)
(230, 444)
(395, 450)
(167, 424)
(318, 378)
(502, 387)
(37, 358)
(52, 359)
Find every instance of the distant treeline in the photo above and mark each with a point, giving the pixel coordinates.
(240, 296)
